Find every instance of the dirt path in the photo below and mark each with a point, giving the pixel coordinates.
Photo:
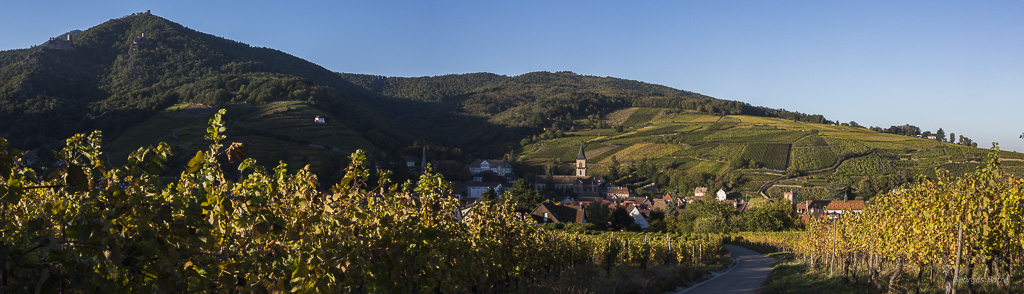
(748, 276)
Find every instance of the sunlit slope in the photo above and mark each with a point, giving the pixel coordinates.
(819, 158)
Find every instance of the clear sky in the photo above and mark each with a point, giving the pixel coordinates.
(955, 65)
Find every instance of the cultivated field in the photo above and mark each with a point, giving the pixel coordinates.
(825, 157)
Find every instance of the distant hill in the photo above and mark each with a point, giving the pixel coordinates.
(494, 112)
(681, 150)
(119, 73)
(536, 99)
(143, 79)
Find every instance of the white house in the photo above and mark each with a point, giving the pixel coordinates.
(638, 217)
(319, 119)
(496, 166)
(410, 161)
(720, 195)
(475, 190)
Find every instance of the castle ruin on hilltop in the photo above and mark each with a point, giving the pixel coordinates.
(62, 44)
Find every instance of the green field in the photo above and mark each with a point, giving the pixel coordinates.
(768, 155)
(641, 116)
(827, 157)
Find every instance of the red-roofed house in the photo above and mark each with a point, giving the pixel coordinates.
(837, 206)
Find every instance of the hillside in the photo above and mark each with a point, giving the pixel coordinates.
(143, 79)
(743, 153)
(119, 73)
(280, 131)
(490, 114)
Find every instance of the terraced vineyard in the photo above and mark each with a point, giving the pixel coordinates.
(824, 157)
(641, 116)
(866, 165)
(812, 158)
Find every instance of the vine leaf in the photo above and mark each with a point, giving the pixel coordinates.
(196, 162)
(236, 152)
(76, 178)
(11, 192)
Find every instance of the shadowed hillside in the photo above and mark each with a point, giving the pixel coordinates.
(117, 74)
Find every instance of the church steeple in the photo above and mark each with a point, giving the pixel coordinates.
(581, 164)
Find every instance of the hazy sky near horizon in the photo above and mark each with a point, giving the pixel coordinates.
(934, 64)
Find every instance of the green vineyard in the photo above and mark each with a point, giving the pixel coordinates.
(866, 165)
(812, 158)
(768, 155)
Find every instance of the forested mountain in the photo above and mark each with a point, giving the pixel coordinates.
(487, 112)
(426, 89)
(115, 75)
(144, 79)
(12, 56)
(538, 99)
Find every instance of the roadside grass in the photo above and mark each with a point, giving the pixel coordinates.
(793, 276)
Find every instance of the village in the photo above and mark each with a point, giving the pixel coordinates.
(497, 177)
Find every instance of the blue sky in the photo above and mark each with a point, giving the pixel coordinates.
(954, 65)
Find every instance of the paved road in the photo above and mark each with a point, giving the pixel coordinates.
(747, 277)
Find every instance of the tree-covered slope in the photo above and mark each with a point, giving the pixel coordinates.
(490, 113)
(539, 99)
(428, 89)
(122, 71)
(12, 56)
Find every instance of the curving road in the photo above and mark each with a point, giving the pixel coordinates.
(749, 275)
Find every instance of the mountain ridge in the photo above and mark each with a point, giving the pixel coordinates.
(125, 72)
(125, 69)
